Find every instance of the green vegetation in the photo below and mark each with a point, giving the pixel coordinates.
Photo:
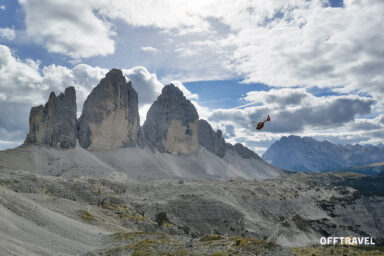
(85, 215)
(252, 245)
(210, 238)
(366, 185)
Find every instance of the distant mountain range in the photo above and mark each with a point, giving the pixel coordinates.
(307, 154)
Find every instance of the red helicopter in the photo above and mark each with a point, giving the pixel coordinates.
(260, 125)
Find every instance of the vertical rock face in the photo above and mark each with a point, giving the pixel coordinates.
(213, 141)
(110, 117)
(55, 123)
(172, 123)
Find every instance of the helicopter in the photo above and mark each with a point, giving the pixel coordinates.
(260, 125)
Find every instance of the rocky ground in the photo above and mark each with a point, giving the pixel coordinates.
(46, 215)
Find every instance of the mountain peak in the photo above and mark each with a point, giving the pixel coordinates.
(110, 117)
(55, 123)
(172, 122)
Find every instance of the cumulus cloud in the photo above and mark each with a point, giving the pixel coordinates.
(279, 43)
(150, 49)
(68, 27)
(2, 7)
(7, 34)
(314, 46)
(281, 97)
(363, 124)
(338, 118)
(294, 43)
(321, 113)
(145, 83)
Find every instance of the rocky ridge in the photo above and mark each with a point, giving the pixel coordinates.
(55, 123)
(188, 147)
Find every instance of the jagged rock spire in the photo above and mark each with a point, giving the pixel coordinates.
(110, 117)
(55, 123)
(172, 123)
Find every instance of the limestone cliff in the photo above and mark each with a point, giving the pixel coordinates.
(55, 123)
(110, 117)
(172, 123)
(211, 140)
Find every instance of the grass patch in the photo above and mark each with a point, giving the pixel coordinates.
(210, 238)
(252, 245)
(86, 215)
(339, 250)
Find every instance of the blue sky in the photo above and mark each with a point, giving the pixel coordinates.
(315, 66)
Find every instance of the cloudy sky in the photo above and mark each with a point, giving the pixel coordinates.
(317, 67)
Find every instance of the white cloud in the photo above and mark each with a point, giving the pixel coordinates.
(281, 97)
(186, 92)
(185, 52)
(340, 118)
(68, 27)
(7, 34)
(145, 83)
(150, 49)
(281, 43)
(2, 7)
(315, 46)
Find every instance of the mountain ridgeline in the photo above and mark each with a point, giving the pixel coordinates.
(110, 122)
(306, 154)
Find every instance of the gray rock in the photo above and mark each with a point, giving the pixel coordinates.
(243, 151)
(172, 123)
(213, 141)
(55, 123)
(110, 117)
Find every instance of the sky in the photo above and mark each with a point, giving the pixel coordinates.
(317, 67)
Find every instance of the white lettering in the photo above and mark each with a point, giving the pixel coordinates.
(372, 243)
(361, 240)
(348, 240)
